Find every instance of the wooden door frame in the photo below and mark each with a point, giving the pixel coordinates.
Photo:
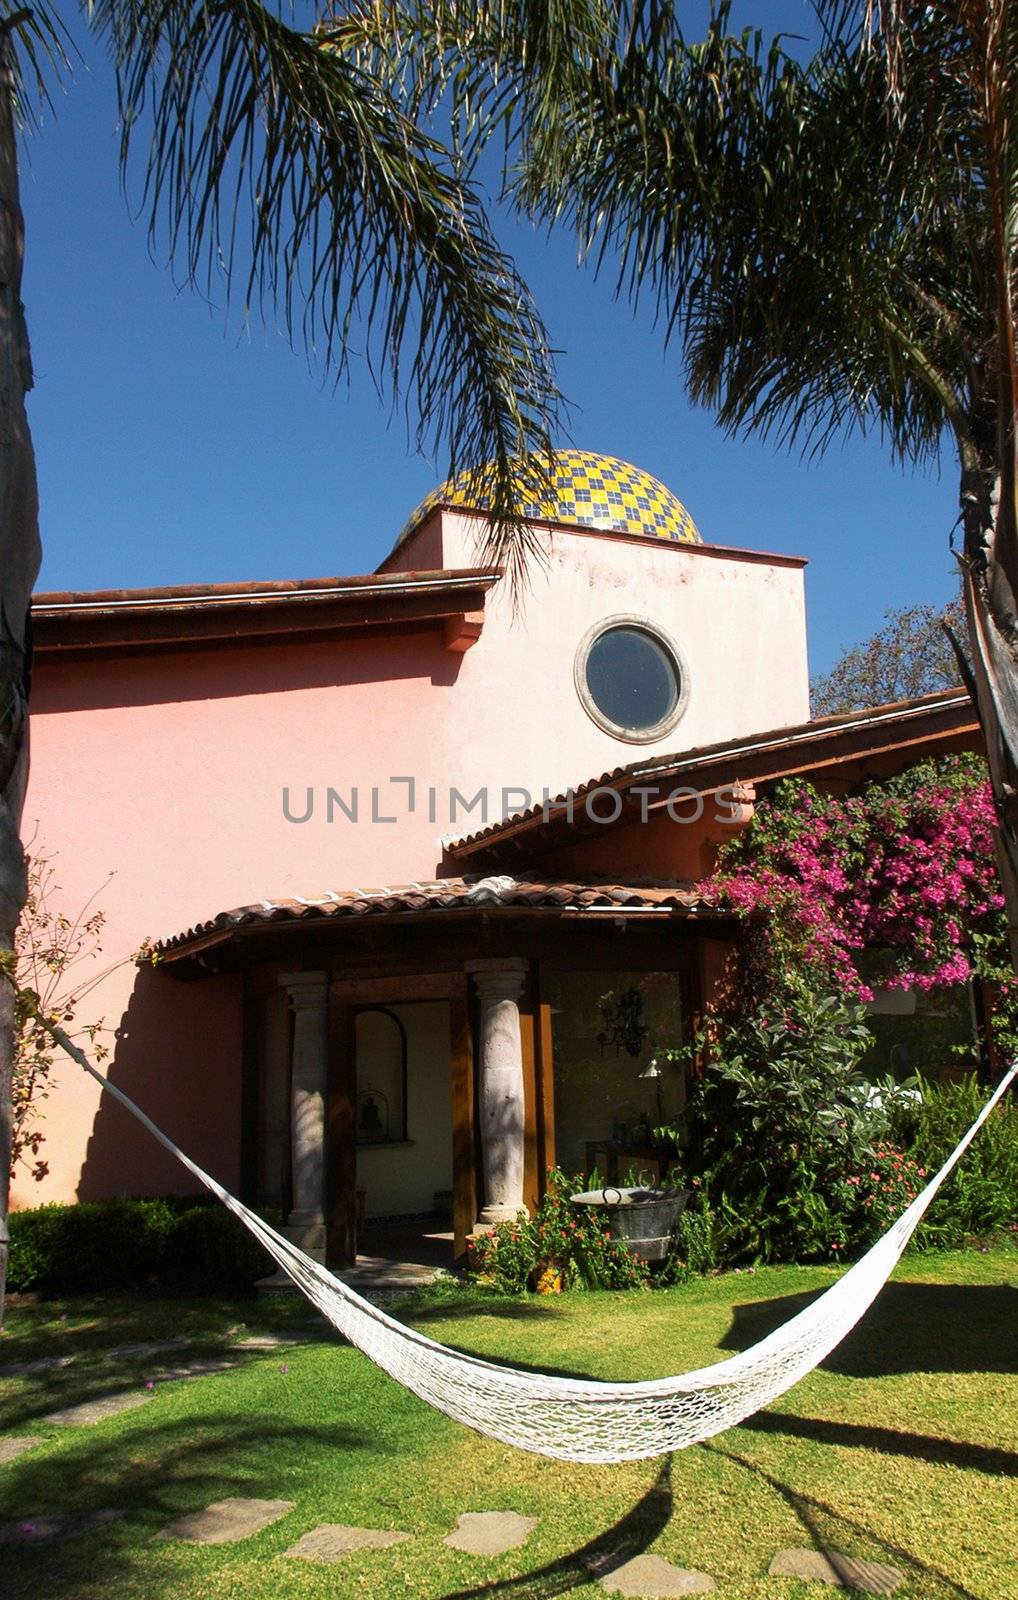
(348, 995)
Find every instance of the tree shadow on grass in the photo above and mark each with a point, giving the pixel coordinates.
(153, 1474)
(625, 1539)
(828, 1529)
(157, 1474)
(89, 1379)
(888, 1441)
(911, 1327)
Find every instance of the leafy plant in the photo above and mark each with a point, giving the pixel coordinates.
(777, 1123)
(697, 1245)
(905, 866)
(981, 1196)
(560, 1247)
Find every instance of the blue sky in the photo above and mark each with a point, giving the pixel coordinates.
(175, 446)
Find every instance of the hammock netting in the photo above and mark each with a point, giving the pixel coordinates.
(573, 1419)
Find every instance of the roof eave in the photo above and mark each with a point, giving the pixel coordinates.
(110, 621)
(814, 746)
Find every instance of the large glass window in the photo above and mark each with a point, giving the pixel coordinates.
(930, 1032)
(607, 1030)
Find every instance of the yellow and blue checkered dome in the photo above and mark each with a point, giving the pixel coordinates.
(591, 490)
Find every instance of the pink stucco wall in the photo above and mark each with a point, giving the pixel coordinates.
(169, 768)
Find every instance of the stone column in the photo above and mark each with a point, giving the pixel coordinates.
(309, 1002)
(499, 984)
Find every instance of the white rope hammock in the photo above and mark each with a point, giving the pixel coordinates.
(573, 1419)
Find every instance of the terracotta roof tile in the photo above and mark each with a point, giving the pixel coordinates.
(443, 894)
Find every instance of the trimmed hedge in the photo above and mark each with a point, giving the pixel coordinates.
(102, 1242)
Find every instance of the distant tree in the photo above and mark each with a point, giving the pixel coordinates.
(910, 655)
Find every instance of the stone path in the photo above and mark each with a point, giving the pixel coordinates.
(50, 1529)
(10, 1448)
(90, 1411)
(841, 1571)
(276, 1341)
(478, 1533)
(648, 1577)
(23, 1369)
(199, 1368)
(490, 1533)
(374, 1273)
(226, 1521)
(332, 1541)
(150, 1347)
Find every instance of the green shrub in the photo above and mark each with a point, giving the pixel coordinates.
(777, 1124)
(102, 1242)
(214, 1245)
(89, 1245)
(558, 1248)
(981, 1195)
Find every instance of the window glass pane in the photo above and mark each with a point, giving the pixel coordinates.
(930, 1032)
(632, 679)
(599, 1093)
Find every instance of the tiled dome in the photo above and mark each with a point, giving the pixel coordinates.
(593, 490)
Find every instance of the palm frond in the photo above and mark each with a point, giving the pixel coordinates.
(277, 159)
(817, 274)
(38, 52)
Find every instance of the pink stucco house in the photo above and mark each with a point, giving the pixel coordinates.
(394, 904)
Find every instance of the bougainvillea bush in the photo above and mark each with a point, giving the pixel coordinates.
(560, 1247)
(796, 1157)
(905, 867)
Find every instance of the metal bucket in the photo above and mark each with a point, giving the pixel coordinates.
(642, 1218)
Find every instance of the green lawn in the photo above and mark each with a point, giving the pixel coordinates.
(901, 1448)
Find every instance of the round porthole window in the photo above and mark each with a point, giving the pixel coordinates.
(631, 679)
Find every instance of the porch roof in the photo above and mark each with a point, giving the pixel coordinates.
(451, 897)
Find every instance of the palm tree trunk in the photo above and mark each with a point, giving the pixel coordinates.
(19, 564)
(990, 548)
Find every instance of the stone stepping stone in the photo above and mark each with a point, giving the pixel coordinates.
(51, 1529)
(841, 1571)
(194, 1369)
(226, 1521)
(332, 1541)
(10, 1448)
(490, 1533)
(273, 1341)
(648, 1577)
(24, 1369)
(90, 1411)
(151, 1347)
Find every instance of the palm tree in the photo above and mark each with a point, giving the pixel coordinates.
(832, 243)
(277, 155)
